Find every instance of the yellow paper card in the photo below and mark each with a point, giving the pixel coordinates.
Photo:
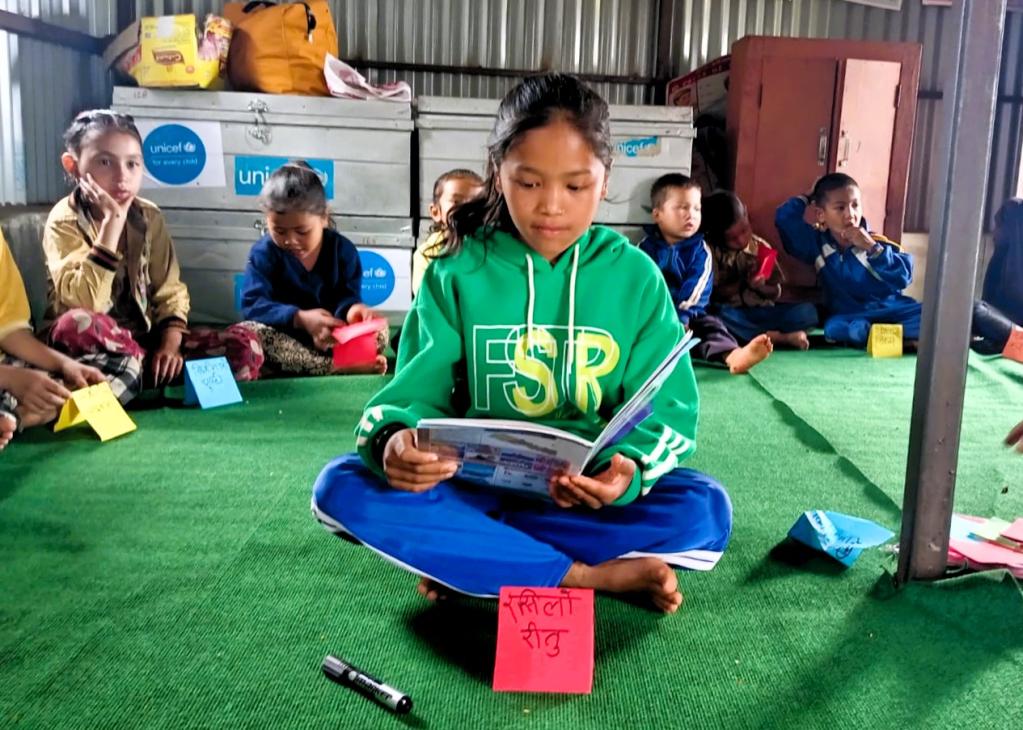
(885, 340)
(100, 408)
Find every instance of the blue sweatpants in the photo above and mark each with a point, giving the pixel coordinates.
(853, 328)
(745, 323)
(474, 541)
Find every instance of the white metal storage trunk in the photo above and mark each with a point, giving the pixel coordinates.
(364, 147)
(213, 247)
(362, 150)
(649, 142)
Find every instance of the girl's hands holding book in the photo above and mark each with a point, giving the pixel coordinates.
(595, 491)
(411, 470)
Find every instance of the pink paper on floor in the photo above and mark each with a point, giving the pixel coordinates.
(1015, 531)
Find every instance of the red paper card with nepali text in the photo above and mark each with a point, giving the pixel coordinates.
(544, 640)
(766, 259)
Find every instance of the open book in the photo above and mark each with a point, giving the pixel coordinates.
(522, 455)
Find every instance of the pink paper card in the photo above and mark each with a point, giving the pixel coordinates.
(1015, 531)
(544, 640)
(1014, 345)
(357, 343)
(766, 258)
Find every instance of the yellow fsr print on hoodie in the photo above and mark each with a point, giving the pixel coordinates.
(564, 344)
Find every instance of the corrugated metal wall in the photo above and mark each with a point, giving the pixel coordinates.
(41, 87)
(585, 36)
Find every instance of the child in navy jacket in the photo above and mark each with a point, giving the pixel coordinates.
(303, 279)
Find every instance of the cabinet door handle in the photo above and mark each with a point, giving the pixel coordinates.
(822, 147)
(844, 154)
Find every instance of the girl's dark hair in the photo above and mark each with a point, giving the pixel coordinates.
(533, 103)
(294, 188)
(721, 210)
(1009, 223)
(98, 121)
(828, 183)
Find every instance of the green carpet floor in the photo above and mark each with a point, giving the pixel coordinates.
(174, 578)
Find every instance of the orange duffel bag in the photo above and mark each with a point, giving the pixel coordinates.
(279, 48)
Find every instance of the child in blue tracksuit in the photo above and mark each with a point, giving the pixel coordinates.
(303, 279)
(677, 247)
(862, 274)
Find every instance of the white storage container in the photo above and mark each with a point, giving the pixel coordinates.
(649, 142)
(213, 247)
(362, 148)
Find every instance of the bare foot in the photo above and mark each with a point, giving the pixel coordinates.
(629, 575)
(378, 367)
(7, 425)
(431, 590)
(797, 340)
(741, 359)
(31, 418)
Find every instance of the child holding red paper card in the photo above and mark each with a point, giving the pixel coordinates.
(303, 280)
(747, 279)
(552, 320)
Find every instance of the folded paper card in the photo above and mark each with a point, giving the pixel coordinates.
(357, 343)
(210, 383)
(841, 536)
(98, 406)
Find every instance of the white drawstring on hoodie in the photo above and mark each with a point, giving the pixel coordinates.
(571, 306)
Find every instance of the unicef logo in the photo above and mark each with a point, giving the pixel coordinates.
(377, 278)
(174, 154)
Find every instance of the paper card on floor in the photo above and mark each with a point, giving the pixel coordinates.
(1014, 531)
(1014, 345)
(885, 340)
(544, 640)
(990, 529)
(210, 383)
(987, 554)
(841, 536)
(98, 406)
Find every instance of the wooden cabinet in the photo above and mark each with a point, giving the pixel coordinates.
(801, 108)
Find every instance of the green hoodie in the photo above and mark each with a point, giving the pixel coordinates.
(500, 318)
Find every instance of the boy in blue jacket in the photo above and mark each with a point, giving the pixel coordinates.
(863, 274)
(303, 278)
(677, 247)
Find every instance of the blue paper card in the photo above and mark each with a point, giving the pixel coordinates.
(209, 383)
(843, 537)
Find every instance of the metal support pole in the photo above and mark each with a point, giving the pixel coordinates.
(971, 85)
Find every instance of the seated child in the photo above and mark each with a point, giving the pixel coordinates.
(303, 278)
(745, 302)
(862, 274)
(677, 247)
(30, 394)
(450, 189)
(553, 320)
(1001, 308)
(1003, 282)
(115, 286)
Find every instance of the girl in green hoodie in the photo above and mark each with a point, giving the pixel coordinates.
(534, 313)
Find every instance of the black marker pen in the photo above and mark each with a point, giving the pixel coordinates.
(344, 673)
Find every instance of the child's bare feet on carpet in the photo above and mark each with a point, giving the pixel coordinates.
(629, 575)
(797, 340)
(378, 367)
(432, 591)
(7, 426)
(742, 359)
